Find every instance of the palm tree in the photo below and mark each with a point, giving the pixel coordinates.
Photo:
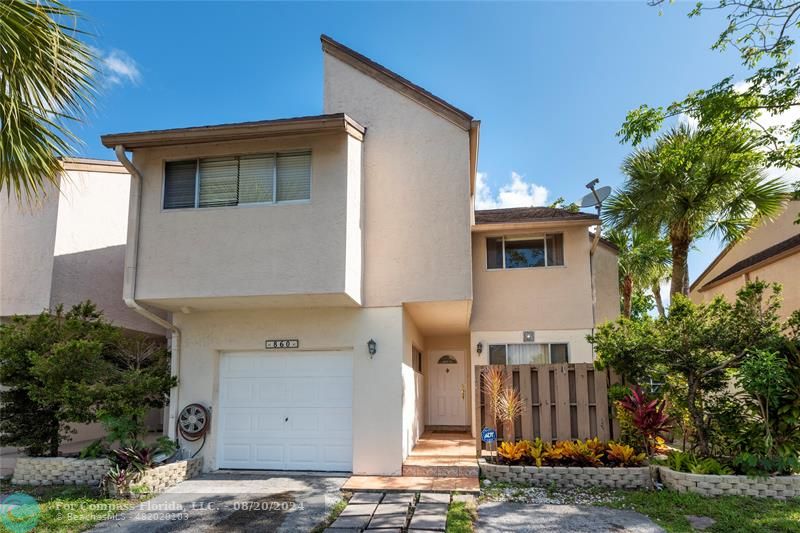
(692, 183)
(46, 82)
(644, 261)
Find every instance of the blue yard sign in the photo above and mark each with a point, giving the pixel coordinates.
(488, 435)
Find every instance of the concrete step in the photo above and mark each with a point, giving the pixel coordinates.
(468, 485)
(440, 466)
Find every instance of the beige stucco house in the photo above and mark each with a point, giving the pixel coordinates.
(769, 252)
(351, 238)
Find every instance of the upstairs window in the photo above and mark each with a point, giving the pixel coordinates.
(524, 251)
(231, 181)
(528, 354)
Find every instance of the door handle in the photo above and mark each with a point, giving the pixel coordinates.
(463, 392)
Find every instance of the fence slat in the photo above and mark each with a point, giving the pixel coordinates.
(582, 400)
(562, 403)
(601, 397)
(545, 424)
(525, 393)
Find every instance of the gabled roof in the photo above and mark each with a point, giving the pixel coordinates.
(529, 214)
(395, 81)
(237, 131)
(781, 249)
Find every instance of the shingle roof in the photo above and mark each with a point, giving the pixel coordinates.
(528, 214)
(763, 255)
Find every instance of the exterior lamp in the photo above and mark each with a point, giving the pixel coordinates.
(372, 347)
(480, 348)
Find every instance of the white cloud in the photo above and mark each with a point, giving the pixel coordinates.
(118, 68)
(515, 193)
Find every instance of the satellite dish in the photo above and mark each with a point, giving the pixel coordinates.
(596, 197)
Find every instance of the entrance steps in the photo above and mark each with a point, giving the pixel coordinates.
(466, 485)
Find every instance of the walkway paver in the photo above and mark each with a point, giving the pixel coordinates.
(496, 517)
(395, 512)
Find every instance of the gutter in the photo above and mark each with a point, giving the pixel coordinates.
(129, 282)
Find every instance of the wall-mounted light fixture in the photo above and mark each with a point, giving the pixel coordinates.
(479, 348)
(372, 347)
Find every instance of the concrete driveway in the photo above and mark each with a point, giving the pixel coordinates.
(230, 502)
(496, 517)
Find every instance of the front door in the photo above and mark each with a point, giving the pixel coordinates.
(447, 391)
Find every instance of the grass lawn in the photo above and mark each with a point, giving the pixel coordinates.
(460, 517)
(732, 513)
(69, 508)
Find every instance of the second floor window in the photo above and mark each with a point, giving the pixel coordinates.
(525, 251)
(230, 181)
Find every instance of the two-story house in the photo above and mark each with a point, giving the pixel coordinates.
(329, 284)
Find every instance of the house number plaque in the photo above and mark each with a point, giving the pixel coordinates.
(273, 344)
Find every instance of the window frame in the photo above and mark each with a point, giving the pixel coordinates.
(274, 201)
(538, 236)
(549, 352)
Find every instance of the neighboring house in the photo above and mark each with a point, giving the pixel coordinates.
(769, 252)
(351, 236)
(70, 247)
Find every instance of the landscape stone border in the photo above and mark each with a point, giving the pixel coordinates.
(59, 471)
(570, 476)
(780, 487)
(73, 471)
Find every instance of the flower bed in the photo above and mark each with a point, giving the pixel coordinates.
(781, 487)
(59, 471)
(569, 476)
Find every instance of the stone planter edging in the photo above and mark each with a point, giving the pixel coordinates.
(781, 487)
(73, 471)
(59, 471)
(570, 476)
(165, 476)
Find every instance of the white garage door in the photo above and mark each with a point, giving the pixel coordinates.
(286, 411)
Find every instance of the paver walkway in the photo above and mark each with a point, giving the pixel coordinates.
(373, 511)
(496, 517)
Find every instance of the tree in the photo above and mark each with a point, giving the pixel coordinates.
(47, 83)
(644, 260)
(61, 368)
(693, 348)
(691, 183)
(764, 34)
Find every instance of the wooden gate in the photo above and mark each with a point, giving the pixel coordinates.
(561, 402)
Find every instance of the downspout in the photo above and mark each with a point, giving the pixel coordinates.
(592, 250)
(129, 282)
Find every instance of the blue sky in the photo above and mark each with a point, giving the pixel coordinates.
(551, 82)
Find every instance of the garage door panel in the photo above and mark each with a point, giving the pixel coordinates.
(286, 411)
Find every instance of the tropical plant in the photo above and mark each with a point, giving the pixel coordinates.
(493, 383)
(710, 466)
(512, 451)
(510, 407)
(647, 416)
(623, 455)
(95, 450)
(694, 348)
(691, 183)
(554, 453)
(581, 453)
(753, 464)
(644, 260)
(535, 450)
(47, 75)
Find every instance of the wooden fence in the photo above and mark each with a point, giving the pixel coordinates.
(561, 402)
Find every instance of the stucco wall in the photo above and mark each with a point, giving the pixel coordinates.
(416, 192)
(413, 386)
(377, 382)
(546, 298)
(292, 249)
(27, 237)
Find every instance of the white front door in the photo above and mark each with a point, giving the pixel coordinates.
(286, 411)
(447, 390)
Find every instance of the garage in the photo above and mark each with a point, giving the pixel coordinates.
(286, 411)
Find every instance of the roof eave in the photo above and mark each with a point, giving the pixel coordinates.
(235, 132)
(536, 225)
